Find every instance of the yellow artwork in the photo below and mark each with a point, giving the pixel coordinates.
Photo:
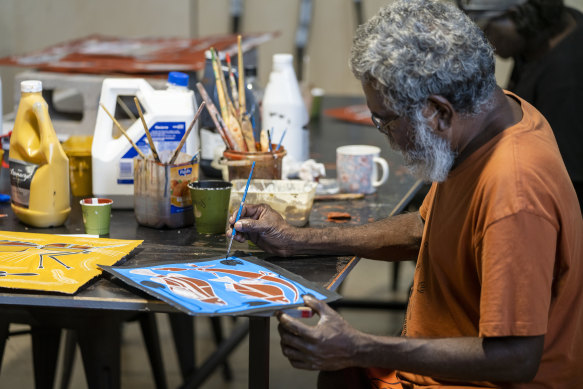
(56, 263)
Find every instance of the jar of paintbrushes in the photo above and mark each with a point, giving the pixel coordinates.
(244, 145)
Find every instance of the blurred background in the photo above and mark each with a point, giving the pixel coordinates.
(322, 30)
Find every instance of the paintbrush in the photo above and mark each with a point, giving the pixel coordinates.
(219, 86)
(281, 140)
(246, 126)
(240, 209)
(264, 140)
(150, 140)
(269, 141)
(123, 131)
(212, 110)
(231, 122)
(236, 122)
(177, 151)
(233, 84)
(242, 102)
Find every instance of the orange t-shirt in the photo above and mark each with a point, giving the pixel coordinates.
(502, 254)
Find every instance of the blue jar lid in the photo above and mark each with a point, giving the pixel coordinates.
(178, 78)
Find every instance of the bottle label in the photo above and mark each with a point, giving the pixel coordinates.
(166, 137)
(180, 176)
(21, 175)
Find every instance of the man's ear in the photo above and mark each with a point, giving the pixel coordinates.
(441, 112)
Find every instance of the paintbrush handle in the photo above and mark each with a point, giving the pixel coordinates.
(150, 140)
(220, 92)
(242, 103)
(123, 131)
(240, 208)
(212, 110)
(244, 196)
(177, 151)
(233, 85)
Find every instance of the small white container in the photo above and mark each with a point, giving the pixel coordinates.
(167, 113)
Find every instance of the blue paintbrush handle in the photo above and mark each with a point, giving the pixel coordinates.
(243, 199)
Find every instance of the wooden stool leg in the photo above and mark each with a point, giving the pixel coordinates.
(152, 341)
(45, 350)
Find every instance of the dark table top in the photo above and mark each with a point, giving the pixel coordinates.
(326, 134)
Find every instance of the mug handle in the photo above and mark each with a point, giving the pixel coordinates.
(385, 168)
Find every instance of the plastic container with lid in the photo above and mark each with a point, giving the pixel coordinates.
(39, 167)
(167, 113)
(293, 199)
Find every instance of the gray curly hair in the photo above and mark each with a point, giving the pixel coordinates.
(416, 48)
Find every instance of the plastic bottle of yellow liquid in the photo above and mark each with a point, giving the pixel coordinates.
(39, 168)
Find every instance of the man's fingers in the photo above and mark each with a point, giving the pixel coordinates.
(304, 365)
(294, 326)
(298, 359)
(287, 339)
(320, 307)
(248, 211)
(250, 225)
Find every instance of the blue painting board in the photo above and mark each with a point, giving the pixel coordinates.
(220, 286)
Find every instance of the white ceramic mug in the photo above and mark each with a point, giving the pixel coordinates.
(356, 167)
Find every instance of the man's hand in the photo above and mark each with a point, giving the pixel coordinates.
(330, 345)
(264, 227)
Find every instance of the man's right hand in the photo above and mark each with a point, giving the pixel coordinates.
(263, 226)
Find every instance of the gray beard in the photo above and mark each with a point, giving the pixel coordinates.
(431, 158)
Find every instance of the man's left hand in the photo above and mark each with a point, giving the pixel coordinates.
(330, 345)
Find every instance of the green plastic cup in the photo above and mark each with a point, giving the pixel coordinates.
(96, 215)
(210, 203)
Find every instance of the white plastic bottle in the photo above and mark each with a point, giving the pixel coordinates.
(167, 113)
(283, 109)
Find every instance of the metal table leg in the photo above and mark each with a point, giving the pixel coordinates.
(259, 352)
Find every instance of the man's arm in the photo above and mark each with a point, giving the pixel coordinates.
(333, 344)
(393, 239)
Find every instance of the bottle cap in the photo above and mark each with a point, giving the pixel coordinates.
(178, 78)
(31, 86)
(282, 61)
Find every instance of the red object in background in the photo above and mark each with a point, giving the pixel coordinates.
(359, 114)
(98, 54)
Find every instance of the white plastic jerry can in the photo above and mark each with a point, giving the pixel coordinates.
(167, 114)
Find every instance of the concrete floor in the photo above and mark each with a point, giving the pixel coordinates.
(370, 279)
